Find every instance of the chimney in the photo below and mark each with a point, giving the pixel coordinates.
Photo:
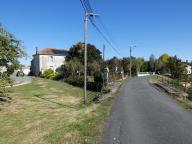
(36, 50)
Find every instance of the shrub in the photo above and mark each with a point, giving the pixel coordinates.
(79, 82)
(50, 74)
(57, 76)
(105, 90)
(98, 77)
(190, 93)
(4, 81)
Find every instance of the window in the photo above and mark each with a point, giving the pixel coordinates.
(51, 59)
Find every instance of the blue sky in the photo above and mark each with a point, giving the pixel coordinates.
(154, 26)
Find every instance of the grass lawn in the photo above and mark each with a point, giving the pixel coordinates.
(50, 112)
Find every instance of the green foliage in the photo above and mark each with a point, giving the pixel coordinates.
(79, 82)
(77, 52)
(164, 58)
(98, 77)
(114, 65)
(152, 63)
(71, 68)
(75, 60)
(50, 74)
(105, 90)
(4, 81)
(10, 50)
(93, 67)
(126, 64)
(190, 93)
(138, 63)
(176, 67)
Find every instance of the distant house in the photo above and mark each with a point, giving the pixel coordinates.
(48, 58)
(188, 67)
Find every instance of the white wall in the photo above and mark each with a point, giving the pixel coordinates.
(188, 68)
(51, 62)
(142, 74)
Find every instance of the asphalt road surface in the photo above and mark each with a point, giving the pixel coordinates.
(144, 115)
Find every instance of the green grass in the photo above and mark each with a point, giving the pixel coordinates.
(50, 112)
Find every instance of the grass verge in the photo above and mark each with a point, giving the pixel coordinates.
(51, 112)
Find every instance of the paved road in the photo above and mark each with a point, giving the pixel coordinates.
(144, 115)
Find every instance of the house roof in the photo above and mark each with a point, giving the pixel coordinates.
(53, 51)
(187, 63)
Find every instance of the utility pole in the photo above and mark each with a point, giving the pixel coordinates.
(87, 15)
(103, 53)
(130, 67)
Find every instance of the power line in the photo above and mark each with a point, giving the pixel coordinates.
(83, 5)
(104, 37)
(87, 7)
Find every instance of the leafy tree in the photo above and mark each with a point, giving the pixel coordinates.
(161, 64)
(145, 67)
(94, 67)
(176, 67)
(152, 63)
(114, 64)
(138, 62)
(126, 64)
(10, 51)
(77, 52)
(165, 58)
(71, 68)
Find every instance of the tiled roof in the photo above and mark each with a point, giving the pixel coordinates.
(52, 51)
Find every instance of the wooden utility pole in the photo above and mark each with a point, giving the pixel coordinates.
(103, 53)
(130, 66)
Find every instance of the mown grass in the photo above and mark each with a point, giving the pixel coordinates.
(50, 112)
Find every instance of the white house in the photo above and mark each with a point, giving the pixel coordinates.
(48, 58)
(188, 69)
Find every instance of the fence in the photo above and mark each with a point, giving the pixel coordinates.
(181, 84)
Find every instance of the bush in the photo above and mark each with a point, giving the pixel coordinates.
(105, 90)
(79, 82)
(98, 77)
(50, 74)
(4, 81)
(190, 93)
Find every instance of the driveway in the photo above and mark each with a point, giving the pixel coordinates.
(144, 115)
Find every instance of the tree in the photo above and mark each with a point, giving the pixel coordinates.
(10, 51)
(126, 64)
(77, 52)
(71, 68)
(161, 64)
(165, 58)
(138, 62)
(176, 67)
(75, 59)
(152, 62)
(114, 64)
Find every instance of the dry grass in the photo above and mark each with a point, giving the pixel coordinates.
(49, 112)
